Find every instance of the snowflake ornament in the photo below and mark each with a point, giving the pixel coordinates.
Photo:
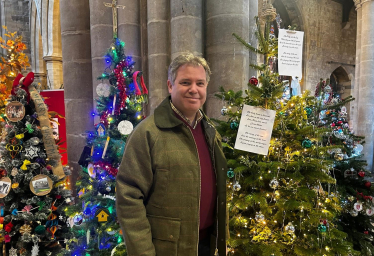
(12, 252)
(35, 250)
(32, 152)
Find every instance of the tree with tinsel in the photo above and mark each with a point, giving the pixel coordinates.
(10, 65)
(33, 189)
(353, 180)
(280, 203)
(119, 108)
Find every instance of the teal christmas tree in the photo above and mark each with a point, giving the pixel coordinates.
(121, 95)
(281, 201)
(33, 188)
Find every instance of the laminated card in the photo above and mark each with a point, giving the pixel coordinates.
(290, 52)
(255, 128)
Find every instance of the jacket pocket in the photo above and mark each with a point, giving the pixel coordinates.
(159, 189)
(165, 234)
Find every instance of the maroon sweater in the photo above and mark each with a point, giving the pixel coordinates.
(208, 196)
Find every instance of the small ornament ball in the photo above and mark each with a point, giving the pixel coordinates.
(224, 111)
(368, 184)
(274, 183)
(361, 174)
(234, 125)
(253, 80)
(289, 228)
(259, 216)
(230, 173)
(322, 228)
(237, 186)
(307, 143)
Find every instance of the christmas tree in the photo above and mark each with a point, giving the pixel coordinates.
(119, 108)
(280, 201)
(33, 189)
(353, 180)
(10, 65)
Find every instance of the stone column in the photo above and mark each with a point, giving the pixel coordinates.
(186, 27)
(76, 54)
(354, 108)
(129, 29)
(158, 50)
(52, 42)
(365, 125)
(101, 19)
(253, 12)
(229, 60)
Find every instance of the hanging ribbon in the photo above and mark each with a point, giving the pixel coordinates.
(45, 127)
(25, 163)
(144, 88)
(137, 90)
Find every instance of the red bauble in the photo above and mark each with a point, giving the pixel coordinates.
(366, 232)
(361, 174)
(368, 184)
(333, 124)
(253, 81)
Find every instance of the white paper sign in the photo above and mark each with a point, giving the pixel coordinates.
(290, 52)
(255, 128)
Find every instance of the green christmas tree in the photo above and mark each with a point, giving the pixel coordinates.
(353, 180)
(33, 188)
(119, 107)
(281, 202)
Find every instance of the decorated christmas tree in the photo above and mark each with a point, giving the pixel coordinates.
(280, 197)
(119, 108)
(353, 180)
(33, 189)
(10, 65)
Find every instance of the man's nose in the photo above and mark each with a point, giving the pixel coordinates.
(193, 88)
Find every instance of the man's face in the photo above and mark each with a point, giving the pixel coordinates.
(188, 93)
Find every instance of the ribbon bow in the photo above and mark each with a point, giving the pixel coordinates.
(29, 128)
(24, 83)
(27, 208)
(25, 163)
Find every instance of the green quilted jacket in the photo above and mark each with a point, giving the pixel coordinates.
(158, 187)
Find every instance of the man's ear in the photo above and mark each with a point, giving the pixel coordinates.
(169, 86)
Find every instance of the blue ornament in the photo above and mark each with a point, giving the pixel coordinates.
(307, 143)
(15, 212)
(230, 173)
(234, 125)
(322, 228)
(308, 111)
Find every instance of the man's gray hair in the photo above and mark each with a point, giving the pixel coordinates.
(189, 59)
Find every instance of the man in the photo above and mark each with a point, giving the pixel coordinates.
(171, 185)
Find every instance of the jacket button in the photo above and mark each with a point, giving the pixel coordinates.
(223, 169)
(171, 237)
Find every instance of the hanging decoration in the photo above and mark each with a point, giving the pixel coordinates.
(15, 111)
(41, 185)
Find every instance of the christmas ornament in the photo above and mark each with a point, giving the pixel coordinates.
(274, 183)
(368, 184)
(259, 216)
(32, 152)
(100, 130)
(237, 186)
(40, 230)
(224, 111)
(25, 229)
(5, 185)
(15, 111)
(230, 173)
(25, 164)
(15, 185)
(108, 189)
(91, 170)
(253, 80)
(370, 211)
(20, 136)
(339, 157)
(354, 213)
(29, 127)
(289, 228)
(234, 125)
(8, 227)
(41, 185)
(307, 143)
(13, 147)
(327, 89)
(357, 206)
(358, 148)
(350, 173)
(102, 215)
(103, 90)
(125, 127)
(34, 141)
(308, 111)
(12, 252)
(35, 250)
(361, 174)
(78, 219)
(14, 172)
(322, 228)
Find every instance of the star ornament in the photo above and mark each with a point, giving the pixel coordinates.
(12, 252)
(32, 152)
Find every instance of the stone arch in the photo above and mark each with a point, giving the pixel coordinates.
(341, 83)
(46, 42)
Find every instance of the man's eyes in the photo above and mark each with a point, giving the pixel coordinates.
(188, 83)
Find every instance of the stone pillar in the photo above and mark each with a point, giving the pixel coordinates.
(354, 108)
(365, 125)
(52, 42)
(158, 50)
(76, 54)
(229, 60)
(101, 19)
(253, 12)
(186, 27)
(129, 29)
